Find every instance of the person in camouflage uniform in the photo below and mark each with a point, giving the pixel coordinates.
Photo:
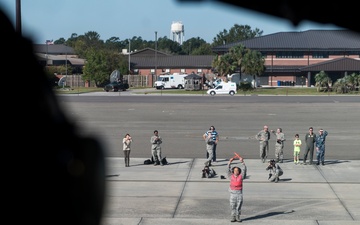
(320, 146)
(279, 145)
(263, 137)
(275, 171)
(235, 175)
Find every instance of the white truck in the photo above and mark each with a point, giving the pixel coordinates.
(175, 80)
(223, 88)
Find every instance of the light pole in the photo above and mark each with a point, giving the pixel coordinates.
(155, 52)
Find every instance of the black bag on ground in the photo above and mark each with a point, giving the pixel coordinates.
(164, 161)
(147, 162)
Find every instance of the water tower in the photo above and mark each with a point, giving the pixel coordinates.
(177, 32)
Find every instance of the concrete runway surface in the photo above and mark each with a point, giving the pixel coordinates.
(176, 193)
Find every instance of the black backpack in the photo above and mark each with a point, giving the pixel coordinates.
(147, 162)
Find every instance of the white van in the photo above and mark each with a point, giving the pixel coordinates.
(223, 88)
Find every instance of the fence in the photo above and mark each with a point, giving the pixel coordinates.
(140, 80)
(76, 80)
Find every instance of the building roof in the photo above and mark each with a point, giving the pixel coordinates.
(58, 49)
(75, 61)
(327, 40)
(340, 64)
(149, 52)
(173, 61)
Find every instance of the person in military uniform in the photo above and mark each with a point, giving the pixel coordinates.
(275, 171)
(279, 145)
(263, 137)
(309, 146)
(320, 146)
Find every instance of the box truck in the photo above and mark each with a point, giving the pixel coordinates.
(175, 80)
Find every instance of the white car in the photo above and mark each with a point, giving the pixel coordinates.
(223, 88)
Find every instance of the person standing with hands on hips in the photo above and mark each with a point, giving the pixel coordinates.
(236, 190)
(215, 138)
(156, 142)
(279, 145)
(127, 140)
(320, 146)
(263, 137)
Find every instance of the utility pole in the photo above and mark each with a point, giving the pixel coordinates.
(155, 52)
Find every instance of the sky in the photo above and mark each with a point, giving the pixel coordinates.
(149, 19)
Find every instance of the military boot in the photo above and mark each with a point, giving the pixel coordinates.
(238, 218)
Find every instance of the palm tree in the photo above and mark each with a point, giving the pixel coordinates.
(223, 64)
(340, 85)
(352, 81)
(322, 80)
(253, 63)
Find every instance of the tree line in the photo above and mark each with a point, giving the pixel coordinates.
(102, 57)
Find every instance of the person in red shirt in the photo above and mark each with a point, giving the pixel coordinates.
(236, 191)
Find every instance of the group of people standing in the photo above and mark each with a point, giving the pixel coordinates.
(236, 174)
(312, 142)
(155, 141)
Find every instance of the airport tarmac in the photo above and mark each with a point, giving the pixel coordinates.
(176, 193)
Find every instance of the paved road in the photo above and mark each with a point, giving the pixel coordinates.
(181, 121)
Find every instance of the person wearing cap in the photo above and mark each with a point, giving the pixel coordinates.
(235, 174)
(320, 146)
(156, 142)
(275, 171)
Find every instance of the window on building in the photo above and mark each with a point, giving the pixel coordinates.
(290, 55)
(320, 55)
(183, 70)
(199, 70)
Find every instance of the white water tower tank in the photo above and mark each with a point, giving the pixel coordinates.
(177, 32)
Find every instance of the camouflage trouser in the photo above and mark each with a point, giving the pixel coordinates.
(156, 154)
(264, 149)
(320, 155)
(279, 154)
(210, 152)
(236, 201)
(277, 174)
